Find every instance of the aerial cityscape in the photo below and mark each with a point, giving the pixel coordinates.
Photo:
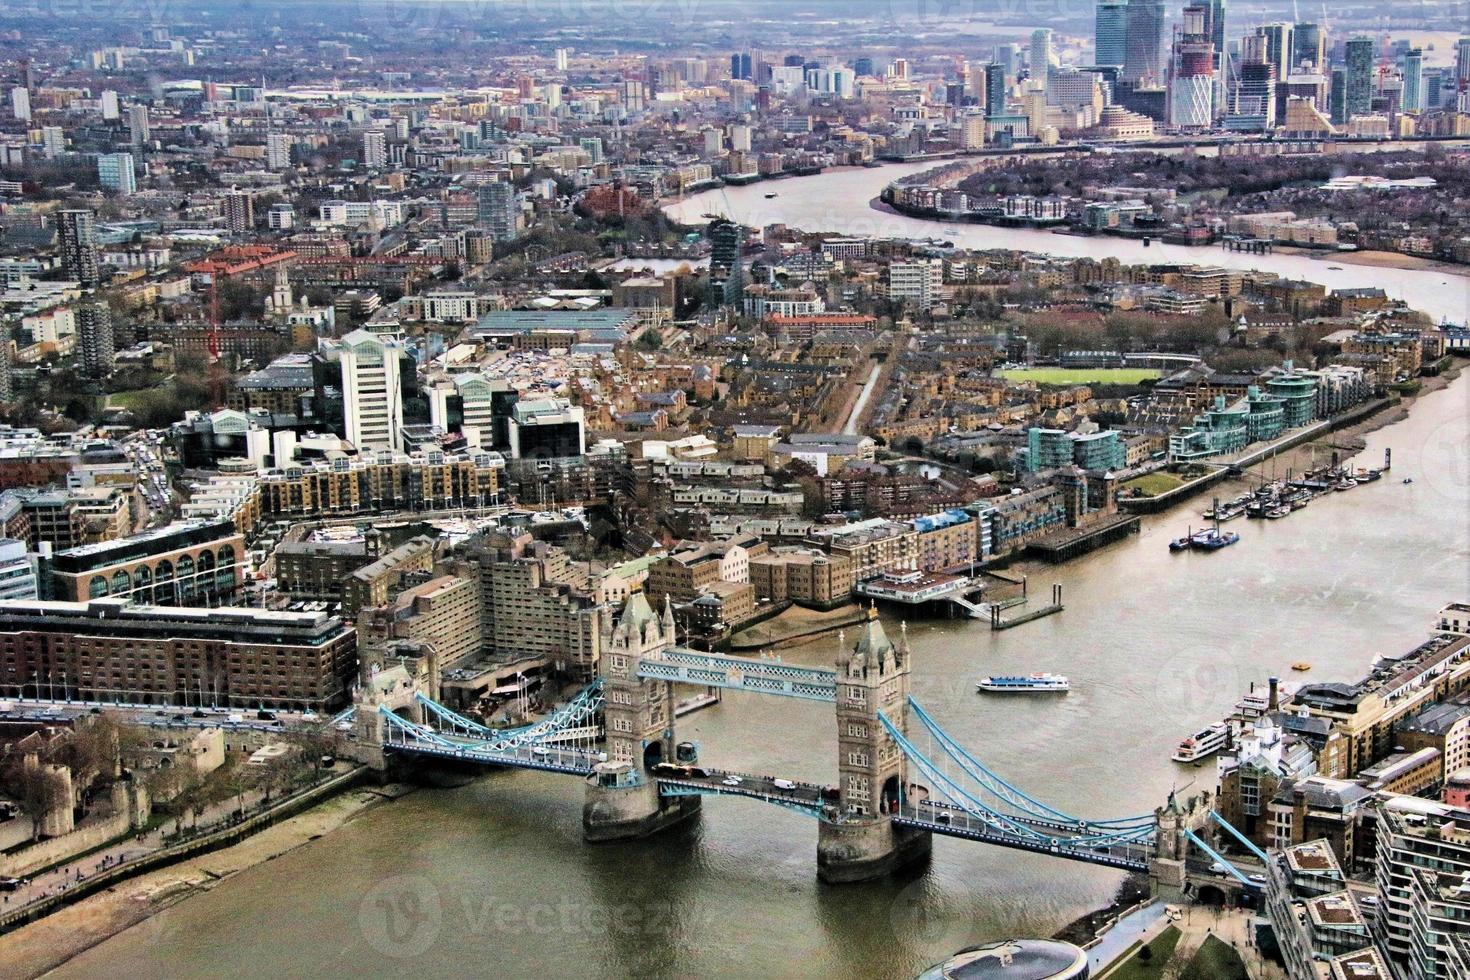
(667, 488)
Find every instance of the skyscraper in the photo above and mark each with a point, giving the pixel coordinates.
(1006, 55)
(1041, 56)
(239, 210)
(1278, 47)
(1337, 97)
(1217, 30)
(499, 210)
(975, 79)
(95, 345)
(726, 262)
(374, 149)
(115, 172)
(1412, 99)
(1462, 64)
(1111, 33)
(996, 90)
(76, 233)
(138, 130)
(1309, 44)
(277, 151)
(1359, 78)
(1143, 60)
(372, 396)
(1192, 71)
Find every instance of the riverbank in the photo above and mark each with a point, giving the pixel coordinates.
(46, 944)
(795, 626)
(1375, 260)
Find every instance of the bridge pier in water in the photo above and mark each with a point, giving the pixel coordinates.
(861, 841)
(623, 800)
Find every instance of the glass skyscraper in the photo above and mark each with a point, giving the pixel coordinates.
(1359, 78)
(1111, 34)
(1143, 57)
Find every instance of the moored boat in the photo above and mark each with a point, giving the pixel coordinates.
(1203, 744)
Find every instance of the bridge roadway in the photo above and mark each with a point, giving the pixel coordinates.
(951, 821)
(806, 797)
(545, 758)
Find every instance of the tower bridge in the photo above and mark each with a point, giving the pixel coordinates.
(901, 777)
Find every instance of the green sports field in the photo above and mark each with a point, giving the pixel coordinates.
(1082, 376)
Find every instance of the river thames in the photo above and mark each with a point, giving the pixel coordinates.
(493, 877)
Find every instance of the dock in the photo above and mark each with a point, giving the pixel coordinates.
(1075, 542)
(997, 623)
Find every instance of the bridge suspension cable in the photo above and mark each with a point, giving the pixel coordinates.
(1008, 794)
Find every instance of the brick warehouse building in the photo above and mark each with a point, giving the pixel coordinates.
(107, 650)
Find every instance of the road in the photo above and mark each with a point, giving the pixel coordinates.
(856, 417)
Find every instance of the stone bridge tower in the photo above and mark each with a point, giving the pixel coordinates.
(860, 841)
(638, 713)
(622, 800)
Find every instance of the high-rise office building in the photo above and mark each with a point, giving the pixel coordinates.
(975, 82)
(1143, 61)
(115, 172)
(1337, 97)
(1041, 57)
(1278, 46)
(372, 393)
(1192, 71)
(1006, 55)
(1309, 46)
(996, 89)
(95, 344)
(76, 233)
(1217, 31)
(374, 149)
(1412, 98)
(239, 209)
(1462, 62)
(1359, 77)
(1110, 34)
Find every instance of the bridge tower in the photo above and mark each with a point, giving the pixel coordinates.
(638, 715)
(861, 841)
(1168, 869)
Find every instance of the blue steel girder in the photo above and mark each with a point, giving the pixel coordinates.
(1250, 845)
(673, 789)
(737, 674)
(1230, 868)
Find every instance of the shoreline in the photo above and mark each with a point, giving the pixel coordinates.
(1369, 258)
(42, 946)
